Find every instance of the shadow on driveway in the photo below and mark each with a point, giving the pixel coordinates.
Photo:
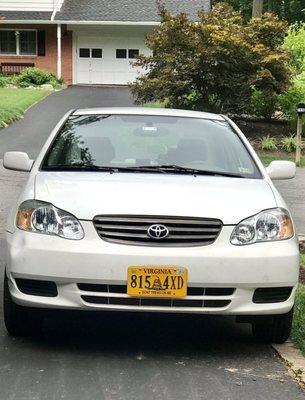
(141, 357)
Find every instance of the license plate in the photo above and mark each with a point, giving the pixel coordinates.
(161, 281)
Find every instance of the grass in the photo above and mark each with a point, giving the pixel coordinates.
(14, 103)
(154, 104)
(266, 159)
(298, 326)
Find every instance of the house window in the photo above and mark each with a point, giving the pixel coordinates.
(133, 53)
(121, 53)
(8, 42)
(27, 40)
(15, 42)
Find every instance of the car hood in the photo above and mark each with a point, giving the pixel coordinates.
(87, 194)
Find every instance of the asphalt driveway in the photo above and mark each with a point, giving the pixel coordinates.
(30, 133)
(126, 357)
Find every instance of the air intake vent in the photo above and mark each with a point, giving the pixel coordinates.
(271, 295)
(101, 294)
(133, 230)
(37, 288)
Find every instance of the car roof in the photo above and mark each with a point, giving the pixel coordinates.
(166, 112)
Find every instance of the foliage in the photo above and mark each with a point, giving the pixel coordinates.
(289, 100)
(31, 77)
(3, 82)
(268, 143)
(14, 102)
(289, 10)
(212, 64)
(289, 144)
(268, 158)
(35, 76)
(295, 43)
(243, 6)
(155, 105)
(298, 328)
(263, 103)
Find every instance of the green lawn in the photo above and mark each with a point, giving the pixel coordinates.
(298, 329)
(14, 103)
(266, 159)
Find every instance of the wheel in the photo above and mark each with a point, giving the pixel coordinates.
(18, 320)
(276, 331)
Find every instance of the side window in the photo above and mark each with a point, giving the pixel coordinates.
(121, 53)
(84, 53)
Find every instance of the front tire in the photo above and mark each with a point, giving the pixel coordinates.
(276, 331)
(18, 320)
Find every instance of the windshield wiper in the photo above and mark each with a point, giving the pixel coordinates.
(78, 167)
(177, 169)
(163, 169)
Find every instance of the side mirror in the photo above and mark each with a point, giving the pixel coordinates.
(17, 161)
(281, 170)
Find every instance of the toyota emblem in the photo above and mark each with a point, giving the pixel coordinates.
(157, 232)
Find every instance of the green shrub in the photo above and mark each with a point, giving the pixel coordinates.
(295, 44)
(289, 144)
(263, 104)
(212, 64)
(268, 143)
(296, 94)
(3, 82)
(35, 76)
(24, 84)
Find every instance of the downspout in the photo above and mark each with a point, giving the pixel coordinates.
(58, 51)
(54, 10)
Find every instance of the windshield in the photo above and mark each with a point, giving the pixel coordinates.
(135, 141)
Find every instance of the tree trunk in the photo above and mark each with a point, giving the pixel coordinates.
(257, 10)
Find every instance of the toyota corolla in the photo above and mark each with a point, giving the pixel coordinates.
(150, 210)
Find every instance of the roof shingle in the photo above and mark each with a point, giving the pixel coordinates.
(25, 16)
(126, 10)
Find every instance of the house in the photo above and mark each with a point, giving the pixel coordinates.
(83, 41)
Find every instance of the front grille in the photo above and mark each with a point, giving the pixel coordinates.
(183, 231)
(116, 295)
(34, 287)
(271, 295)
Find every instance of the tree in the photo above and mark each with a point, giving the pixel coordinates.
(291, 11)
(212, 64)
(257, 8)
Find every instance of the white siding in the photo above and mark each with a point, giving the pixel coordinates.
(30, 5)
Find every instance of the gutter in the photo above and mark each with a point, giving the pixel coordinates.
(55, 22)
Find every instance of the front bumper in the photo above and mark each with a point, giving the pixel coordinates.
(91, 260)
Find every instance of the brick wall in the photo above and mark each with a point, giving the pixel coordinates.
(49, 61)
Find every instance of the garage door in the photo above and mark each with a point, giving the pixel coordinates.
(107, 60)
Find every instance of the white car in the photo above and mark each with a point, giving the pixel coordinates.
(153, 210)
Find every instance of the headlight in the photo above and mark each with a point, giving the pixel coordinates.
(38, 216)
(267, 226)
